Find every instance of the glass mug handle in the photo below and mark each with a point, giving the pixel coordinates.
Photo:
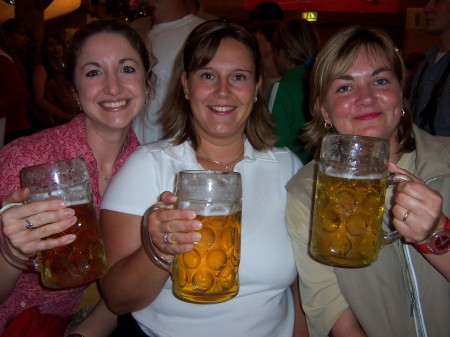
(32, 265)
(160, 261)
(394, 178)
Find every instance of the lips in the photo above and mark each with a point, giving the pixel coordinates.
(113, 105)
(368, 116)
(221, 109)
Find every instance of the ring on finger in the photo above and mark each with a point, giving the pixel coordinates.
(29, 225)
(166, 238)
(406, 216)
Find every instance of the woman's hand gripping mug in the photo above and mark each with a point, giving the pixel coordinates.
(209, 273)
(81, 261)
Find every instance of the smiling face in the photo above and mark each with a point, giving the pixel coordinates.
(366, 100)
(110, 81)
(222, 92)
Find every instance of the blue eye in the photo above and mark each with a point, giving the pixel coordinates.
(343, 88)
(381, 81)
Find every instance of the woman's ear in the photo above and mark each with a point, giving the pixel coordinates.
(183, 78)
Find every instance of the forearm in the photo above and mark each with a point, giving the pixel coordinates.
(49, 108)
(300, 327)
(8, 279)
(100, 322)
(132, 283)
(347, 325)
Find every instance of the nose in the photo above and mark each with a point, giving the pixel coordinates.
(365, 95)
(428, 7)
(113, 85)
(222, 87)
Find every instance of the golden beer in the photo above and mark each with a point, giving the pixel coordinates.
(347, 221)
(209, 273)
(80, 262)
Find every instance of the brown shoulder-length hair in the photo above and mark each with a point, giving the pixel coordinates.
(200, 47)
(336, 56)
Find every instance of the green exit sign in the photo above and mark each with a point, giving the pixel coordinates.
(310, 16)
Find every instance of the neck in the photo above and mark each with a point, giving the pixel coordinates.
(220, 157)
(56, 63)
(107, 146)
(444, 41)
(166, 11)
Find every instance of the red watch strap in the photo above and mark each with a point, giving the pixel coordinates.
(425, 247)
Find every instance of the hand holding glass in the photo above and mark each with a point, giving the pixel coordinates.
(81, 261)
(209, 273)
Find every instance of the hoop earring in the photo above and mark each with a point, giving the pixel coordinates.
(328, 125)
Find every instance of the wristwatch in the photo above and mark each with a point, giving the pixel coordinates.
(438, 243)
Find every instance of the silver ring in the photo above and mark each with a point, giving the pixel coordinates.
(29, 225)
(406, 216)
(166, 239)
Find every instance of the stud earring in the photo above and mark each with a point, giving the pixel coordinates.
(256, 99)
(403, 112)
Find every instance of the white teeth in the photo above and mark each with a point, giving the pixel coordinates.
(114, 104)
(222, 108)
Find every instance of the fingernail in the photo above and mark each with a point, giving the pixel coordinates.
(71, 220)
(69, 238)
(191, 215)
(196, 237)
(68, 212)
(197, 225)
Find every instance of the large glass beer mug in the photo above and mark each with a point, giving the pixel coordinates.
(83, 260)
(352, 178)
(209, 273)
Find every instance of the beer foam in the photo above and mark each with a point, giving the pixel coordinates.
(333, 172)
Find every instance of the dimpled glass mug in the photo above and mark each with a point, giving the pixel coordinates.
(352, 178)
(83, 260)
(209, 273)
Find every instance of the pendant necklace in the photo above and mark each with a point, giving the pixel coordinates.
(225, 165)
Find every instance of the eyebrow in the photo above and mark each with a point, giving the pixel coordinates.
(374, 73)
(96, 64)
(237, 69)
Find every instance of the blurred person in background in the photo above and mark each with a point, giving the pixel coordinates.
(295, 45)
(54, 100)
(13, 90)
(429, 95)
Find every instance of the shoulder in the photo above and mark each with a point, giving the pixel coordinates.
(429, 143)
(303, 181)
(39, 69)
(285, 158)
